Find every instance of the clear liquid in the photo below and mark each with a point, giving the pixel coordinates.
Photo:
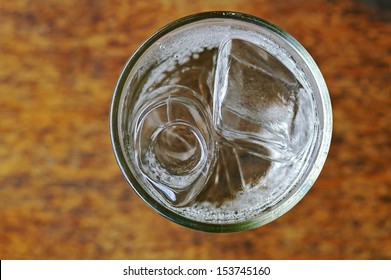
(218, 139)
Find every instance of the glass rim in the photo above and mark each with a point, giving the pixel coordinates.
(254, 222)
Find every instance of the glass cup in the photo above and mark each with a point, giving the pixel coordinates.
(221, 121)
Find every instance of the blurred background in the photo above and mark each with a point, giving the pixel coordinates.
(62, 195)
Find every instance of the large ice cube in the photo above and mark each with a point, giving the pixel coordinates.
(259, 105)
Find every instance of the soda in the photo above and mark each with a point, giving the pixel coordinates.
(221, 121)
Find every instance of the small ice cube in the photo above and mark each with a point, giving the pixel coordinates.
(174, 147)
(259, 104)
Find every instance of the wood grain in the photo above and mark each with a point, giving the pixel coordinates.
(62, 195)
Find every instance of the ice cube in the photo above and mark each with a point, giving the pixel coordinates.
(173, 143)
(225, 182)
(259, 105)
(252, 169)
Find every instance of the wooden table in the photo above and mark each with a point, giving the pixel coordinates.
(62, 195)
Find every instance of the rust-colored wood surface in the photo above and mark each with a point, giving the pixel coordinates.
(62, 195)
